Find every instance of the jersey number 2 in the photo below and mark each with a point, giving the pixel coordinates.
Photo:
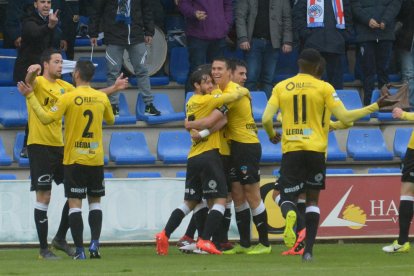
(86, 133)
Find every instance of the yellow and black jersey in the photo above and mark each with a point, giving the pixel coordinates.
(305, 103)
(224, 142)
(47, 93)
(84, 109)
(409, 116)
(198, 107)
(240, 123)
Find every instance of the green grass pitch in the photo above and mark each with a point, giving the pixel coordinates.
(329, 259)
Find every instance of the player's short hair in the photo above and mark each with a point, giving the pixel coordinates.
(309, 59)
(199, 75)
(234, 62)
(86, 70)
(206, 67)
(223, 59)
(47, 55)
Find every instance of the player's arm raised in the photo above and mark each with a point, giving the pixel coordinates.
(267, 119)
(121, 83)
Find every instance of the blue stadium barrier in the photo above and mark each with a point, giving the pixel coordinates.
(5, 159)
(129, 148)
(270, 152)
(259, 102)
(144, 174)
(181, 174)
(179, 64)
(384, 170)
(18, 145)
(382, 116)
(173, 146)
(7, 176)
(7, 66)
(108, 175)
(367, 145)
(401, 138)
(276, 172)
(13, 111)
(339, 171)
(334, 152)
(125, 117)
(163, 104)
(351, 100)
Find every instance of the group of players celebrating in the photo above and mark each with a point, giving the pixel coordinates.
(223, 163)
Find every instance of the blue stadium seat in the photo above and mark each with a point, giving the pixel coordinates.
(125, 117)
(100, 69)
(106, 159)
(276, 172)
(384, 170)
(173, 146)
(144, 174)
(286, 66)
(163, 104)
(129, 148)
(181, 174)
(108, 175)
(347, 75)
(334, 152)
(18, 144)
(367, 145)
(351, 100)
(7, 176)
(13, 111)
(7, 65)
(270, 152)
(179, 64)
(339, 171)
(259, 102)
(382, 116)
(5, 159)
(401, 139)
(158, 80)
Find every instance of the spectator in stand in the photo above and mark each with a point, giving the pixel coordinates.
(70, 25)
(127, 25)
(375, 23)
(208, 23)
(325, 27)
(405, 45)
(263, 29)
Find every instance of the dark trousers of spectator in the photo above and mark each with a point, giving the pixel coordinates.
(201, 51)
(375, 60)
(334, 70)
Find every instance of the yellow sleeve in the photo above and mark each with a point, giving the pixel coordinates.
(43, 116)
(267, 119)
(233, 96)
(108, 113)
(408, 116)
(349, 116)
(339, 125)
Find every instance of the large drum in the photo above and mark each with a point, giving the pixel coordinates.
(156, 54)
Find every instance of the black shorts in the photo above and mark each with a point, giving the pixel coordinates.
(225, 159)
(45, 166)
(299, 171)
(408, 167)
(205, 177)
(81, 180)
(245, 160)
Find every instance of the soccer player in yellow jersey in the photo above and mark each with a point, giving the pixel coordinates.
(84, 109)
(245, 150)
(46, 147)
(205, 174)
(405, 211)
(306, 104)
